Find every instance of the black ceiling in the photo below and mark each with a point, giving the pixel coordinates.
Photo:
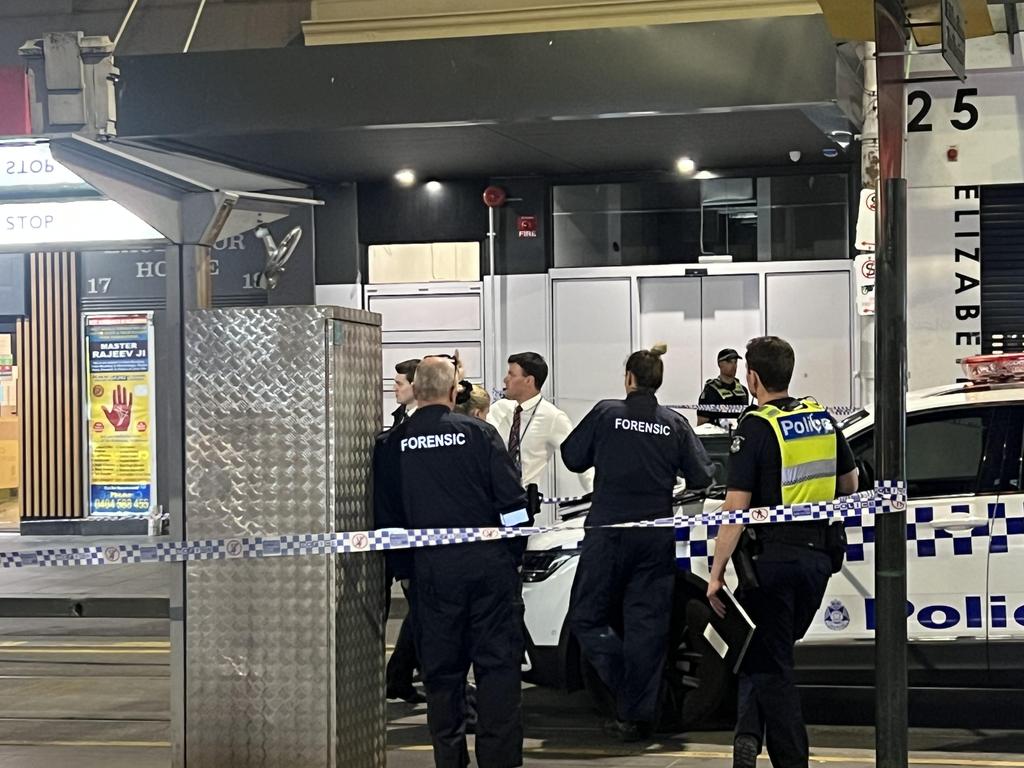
(727, 94)
(715, 141)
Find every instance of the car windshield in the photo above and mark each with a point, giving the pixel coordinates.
(717, 446)
(852, 419)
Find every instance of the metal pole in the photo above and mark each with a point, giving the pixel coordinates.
(187, 288)
(124, 23)
(891, 389)
(195, 24)
(493, 335)
(890, 451)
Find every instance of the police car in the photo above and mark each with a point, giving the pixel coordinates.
(965, 557)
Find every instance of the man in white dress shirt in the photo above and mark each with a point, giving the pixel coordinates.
(533, 428)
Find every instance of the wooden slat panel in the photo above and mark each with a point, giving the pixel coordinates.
(60, 381)
(51, 390)
(26, 480)
(27, 401)
(59, 394)
(75, 390)
(34, 422)
(46, 365)
(67, 377)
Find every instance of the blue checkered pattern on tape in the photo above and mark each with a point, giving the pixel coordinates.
(562, 499)
(835, 410)
(862, 505)
(1003, 532)
(694, 539)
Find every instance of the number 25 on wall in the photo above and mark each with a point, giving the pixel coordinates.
(967, 113)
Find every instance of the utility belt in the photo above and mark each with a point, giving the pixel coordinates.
(827, 539)
(794, 535)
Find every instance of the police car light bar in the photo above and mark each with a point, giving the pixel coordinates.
(981, 369)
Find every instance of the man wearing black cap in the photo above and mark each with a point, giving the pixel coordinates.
(723, 390)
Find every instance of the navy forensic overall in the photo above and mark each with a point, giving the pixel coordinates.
(621, 602)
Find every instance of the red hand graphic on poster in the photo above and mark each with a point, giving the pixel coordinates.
(120, 417)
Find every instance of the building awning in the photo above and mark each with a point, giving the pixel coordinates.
(735, 93)
(189, 200)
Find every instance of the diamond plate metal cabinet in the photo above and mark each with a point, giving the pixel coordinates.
(283, 656)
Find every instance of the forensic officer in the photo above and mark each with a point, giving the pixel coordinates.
(454, 472)
(725, 389)
(786, 451)
(622, 597)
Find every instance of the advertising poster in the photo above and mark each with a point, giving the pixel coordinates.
(121, 412)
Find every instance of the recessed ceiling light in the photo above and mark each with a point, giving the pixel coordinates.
(686, 166)
(406, 177)
(705, 175)
(433, 186)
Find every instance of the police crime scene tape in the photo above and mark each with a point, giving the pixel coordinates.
(886, 497)
(835, 410)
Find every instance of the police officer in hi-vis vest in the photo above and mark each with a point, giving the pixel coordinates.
(785, 451)
(725, 389)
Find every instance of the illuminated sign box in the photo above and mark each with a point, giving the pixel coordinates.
(76, 221)
(31, 166)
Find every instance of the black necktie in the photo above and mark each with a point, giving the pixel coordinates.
(513, 439)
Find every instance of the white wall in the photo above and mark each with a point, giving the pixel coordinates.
(342, 295)
(428, 318)
(521, 323)
(592, 329)
(696, 317)
(937, 337)
(805, 309)
(943, 208)
(808, 302)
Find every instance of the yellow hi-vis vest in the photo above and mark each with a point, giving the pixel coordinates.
(724, 390)
(807, 442)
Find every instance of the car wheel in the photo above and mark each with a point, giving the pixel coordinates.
(698, 690)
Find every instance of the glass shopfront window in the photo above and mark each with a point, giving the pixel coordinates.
(786, 218)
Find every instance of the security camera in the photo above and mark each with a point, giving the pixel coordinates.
(795, 155)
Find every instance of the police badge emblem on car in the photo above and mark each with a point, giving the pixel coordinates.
(836, 616)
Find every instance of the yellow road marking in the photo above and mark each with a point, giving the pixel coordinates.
(30, 651)
(144, 744)
(129, 644)
(137, 644)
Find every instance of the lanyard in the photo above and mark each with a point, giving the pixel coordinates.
(525, 429)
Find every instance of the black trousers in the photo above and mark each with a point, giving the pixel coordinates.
(403, 663)
(792, 584)
(620, 612)
(467, 605)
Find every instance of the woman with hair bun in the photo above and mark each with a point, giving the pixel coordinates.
(477, 404)
(637, 449)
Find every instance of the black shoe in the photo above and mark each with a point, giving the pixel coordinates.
(745, 750)
(410, 695)
(627, 731)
